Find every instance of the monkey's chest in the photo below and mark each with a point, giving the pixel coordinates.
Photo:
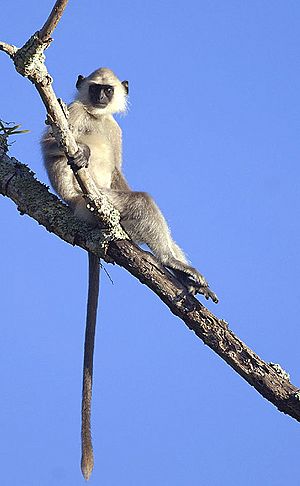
(101, 161)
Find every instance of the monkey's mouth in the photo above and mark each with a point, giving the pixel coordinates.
(101, 105)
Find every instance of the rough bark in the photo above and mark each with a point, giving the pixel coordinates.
(33, 198)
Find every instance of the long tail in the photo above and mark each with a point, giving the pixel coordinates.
(87, 456)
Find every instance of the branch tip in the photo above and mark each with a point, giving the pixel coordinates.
(52, 21)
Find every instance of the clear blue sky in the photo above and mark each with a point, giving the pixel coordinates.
(213, 134)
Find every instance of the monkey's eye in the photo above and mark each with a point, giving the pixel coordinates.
(109, 90)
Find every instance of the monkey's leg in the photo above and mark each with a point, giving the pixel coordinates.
(144, 223)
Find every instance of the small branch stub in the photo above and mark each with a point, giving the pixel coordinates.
(8, 49)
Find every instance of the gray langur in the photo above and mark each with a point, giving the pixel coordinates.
(99, 139)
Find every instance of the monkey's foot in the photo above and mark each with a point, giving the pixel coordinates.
(208, 294)
(81, 159)
(195, 284)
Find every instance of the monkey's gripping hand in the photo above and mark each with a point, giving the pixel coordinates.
(81, 159)
(195, 283)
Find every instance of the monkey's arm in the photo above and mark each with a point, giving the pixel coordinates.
(50, 148)
(52, 152)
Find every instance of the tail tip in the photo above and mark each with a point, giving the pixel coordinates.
(87, 465)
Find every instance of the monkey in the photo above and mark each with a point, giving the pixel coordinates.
(99, 138)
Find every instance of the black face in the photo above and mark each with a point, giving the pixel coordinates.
(101, 94)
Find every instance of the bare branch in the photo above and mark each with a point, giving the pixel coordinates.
(52, 21)
(33, 198)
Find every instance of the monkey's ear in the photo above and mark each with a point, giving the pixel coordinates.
(79, 81)
(125, 84)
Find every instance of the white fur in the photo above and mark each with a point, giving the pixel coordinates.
(103, 76)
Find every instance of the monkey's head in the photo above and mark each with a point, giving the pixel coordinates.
(102, 92)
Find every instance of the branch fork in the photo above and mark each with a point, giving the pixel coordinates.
(29, 61)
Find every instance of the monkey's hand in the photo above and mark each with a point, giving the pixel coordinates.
(81, 159)
(195, 283)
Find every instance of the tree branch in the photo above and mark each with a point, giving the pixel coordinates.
(33, 198)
